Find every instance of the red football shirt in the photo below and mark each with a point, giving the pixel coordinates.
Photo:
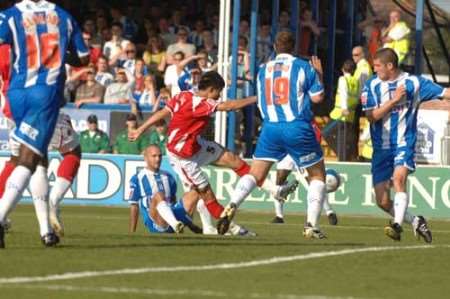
(190, 116)
(5, 73)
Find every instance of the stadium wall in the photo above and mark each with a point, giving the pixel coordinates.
(103, 181)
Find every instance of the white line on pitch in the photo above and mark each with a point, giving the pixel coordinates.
(224, 266)
(164, 292)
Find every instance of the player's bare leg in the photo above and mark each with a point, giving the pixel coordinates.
(65, 175)
(315, 197)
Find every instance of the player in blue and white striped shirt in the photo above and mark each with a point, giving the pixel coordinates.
(40, 34)
(391, 100)
(153, 191)
(287, 86)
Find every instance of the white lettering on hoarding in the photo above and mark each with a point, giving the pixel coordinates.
(415, 184)
(445, 194)
(113, 179)
(369, 194)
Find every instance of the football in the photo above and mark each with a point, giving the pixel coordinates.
(332, 180)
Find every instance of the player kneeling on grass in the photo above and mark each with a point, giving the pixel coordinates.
(391, 100)
(153, 191)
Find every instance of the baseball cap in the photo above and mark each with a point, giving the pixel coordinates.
(92, 119)
(131, 116)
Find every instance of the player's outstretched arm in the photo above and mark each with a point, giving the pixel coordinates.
(134, 216)
(378, 113)
(134, 134)
(236, 104)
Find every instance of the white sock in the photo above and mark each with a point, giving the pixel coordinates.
(409, 218)
(326, 205)
(206, 219)
(316, 194)
(243, 188)
(15, 185)
(278, 208)
(270, 187)
(39, 192)
(166, 213)
(400, 206)
(58, 191)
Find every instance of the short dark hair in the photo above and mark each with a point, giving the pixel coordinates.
(284, 42)
(117, 24)
(349, 66)
(211, 79)
(387, 55)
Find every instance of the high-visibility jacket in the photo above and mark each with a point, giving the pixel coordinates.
(362, 73)
(400, 44)
(352, 99)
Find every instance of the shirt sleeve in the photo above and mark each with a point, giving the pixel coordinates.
(135, 192)
(314, 85)
(182, 81)
(77, 40)
(368, 99)
(428, 90)
(343, 92)
(206, 107)
(5, 32)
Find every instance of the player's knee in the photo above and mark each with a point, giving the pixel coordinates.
(384, 204)
(398, 182)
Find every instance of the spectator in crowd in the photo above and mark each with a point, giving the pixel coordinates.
(204, 63)
(120, 92)
(102, 26)
(341, 138)
(114, 47)
(309, 31)
(371, 28)
(155, 55)
(126, 147)
(190, 78)
(90, 92)
(173, 72)
(95, 38)
(148, 95)
(244, 28)
(94, 52)
(177, 21)
(140, 71)
(128, 58)
(164, 96)
(147, 31)
(264, 45)
(210, 46)
(94, 140)
(396, 36)
(181, 45)
(158, 136)
(196, 36)
(283, 21)
(165, 33)
(128, 25)
(243, 66)
(103, 75)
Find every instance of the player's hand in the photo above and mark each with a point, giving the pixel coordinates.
(317, 64)
(399, 93)
(134, 134)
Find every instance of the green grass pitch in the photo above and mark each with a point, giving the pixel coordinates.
(356, 261)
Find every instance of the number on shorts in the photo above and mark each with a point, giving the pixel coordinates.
(280, 91)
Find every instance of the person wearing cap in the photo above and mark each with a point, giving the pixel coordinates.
(90, 92)
(94, 140)
(126, 147)
(120, 92)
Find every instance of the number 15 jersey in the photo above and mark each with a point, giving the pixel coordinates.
(285, 87)
(40, 34)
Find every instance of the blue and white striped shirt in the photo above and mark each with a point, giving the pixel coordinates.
(285, 87)
(398, 128)
(146, 183)
(40, 34)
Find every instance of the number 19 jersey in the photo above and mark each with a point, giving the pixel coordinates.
(285, 87)
(40, 33)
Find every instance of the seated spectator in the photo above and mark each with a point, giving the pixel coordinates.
(94, 52)
(148, 95)
(204, 63)
(114, 48)
(95, 38)
(196, 36)
(103, 75)
(264, 45)
(181, 45)
(140, 71)
(126, 147)
(155, 55)
(128, 60)
(210, 46)
(89, 92)
(120, 92)
(172, 74)
(94, 140)
(164, 31)
(159, 137)
(129, 26)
